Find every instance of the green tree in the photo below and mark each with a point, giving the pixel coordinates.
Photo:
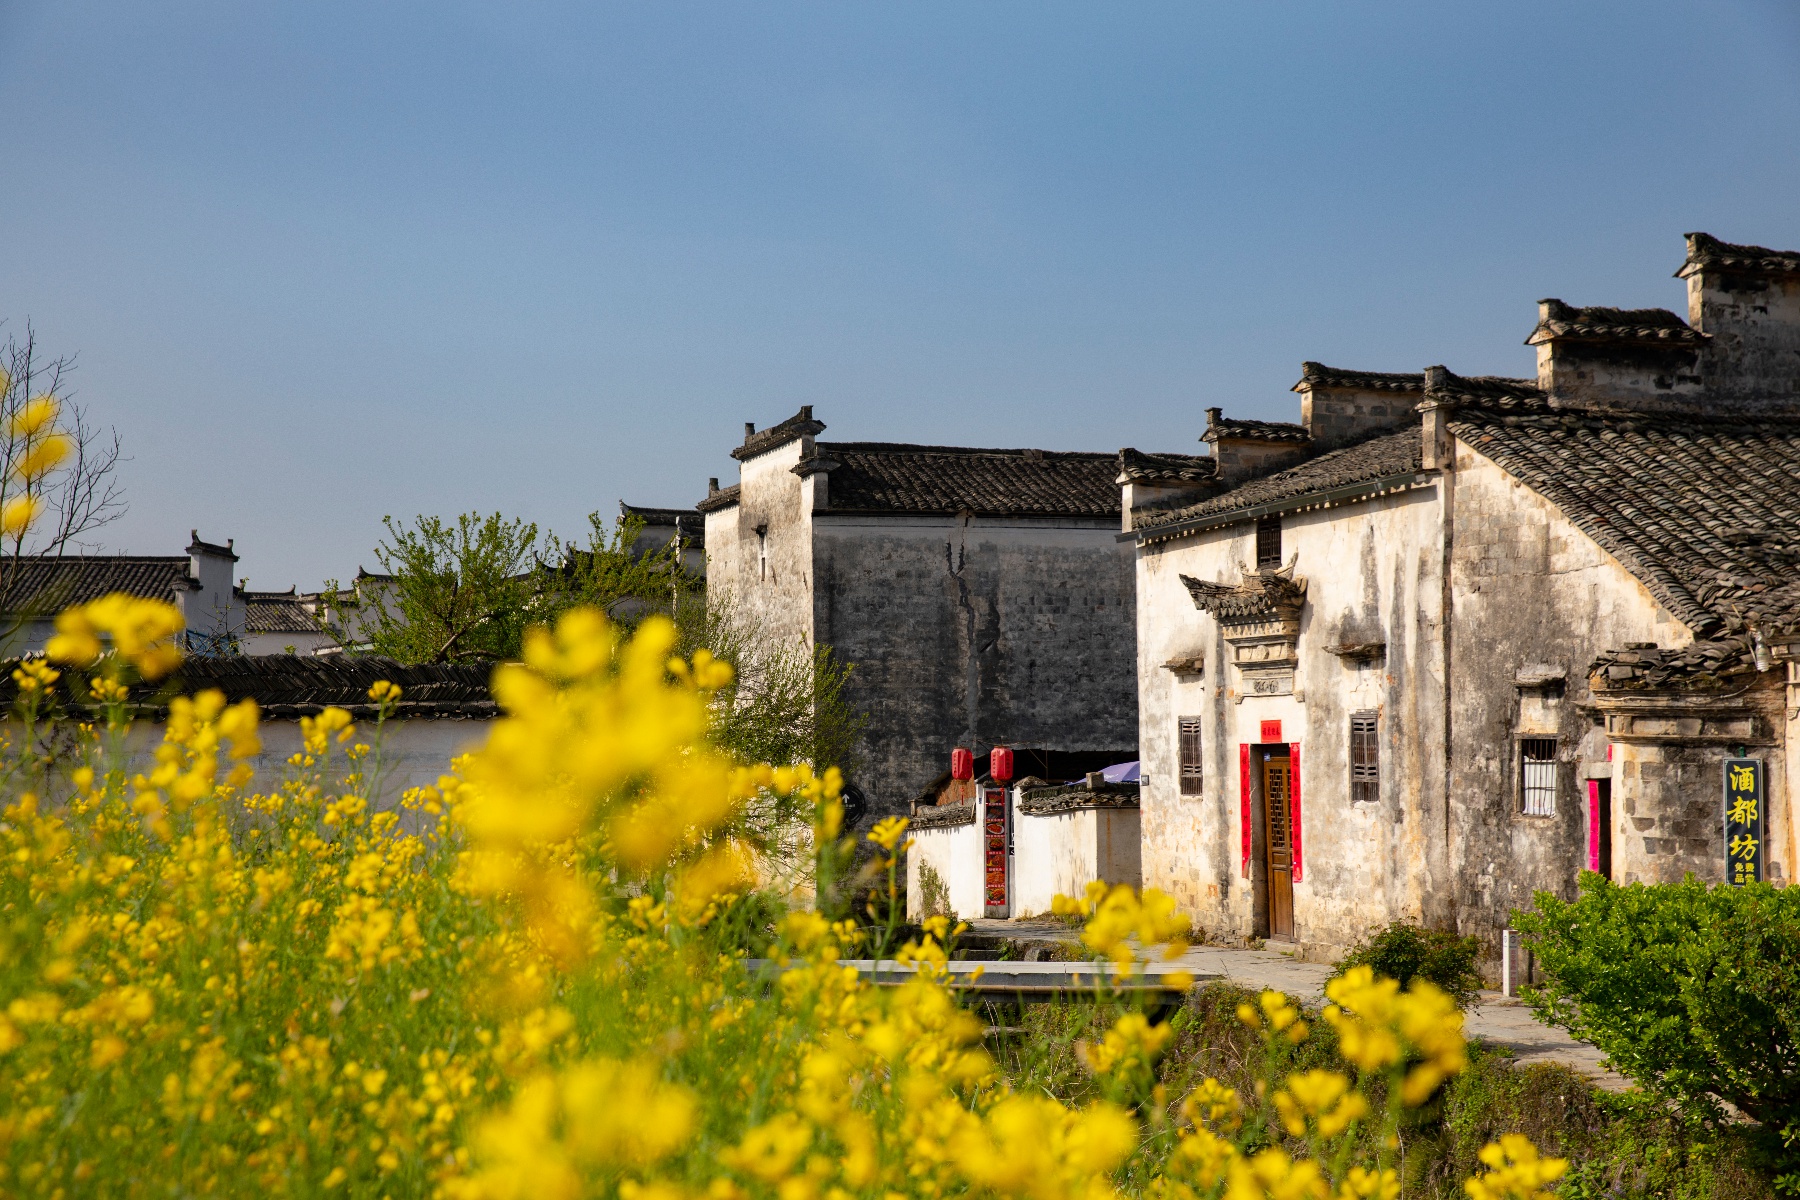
(1692, 990)
(468, 589)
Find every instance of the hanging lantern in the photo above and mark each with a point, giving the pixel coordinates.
(1000, 764)
(962, 763)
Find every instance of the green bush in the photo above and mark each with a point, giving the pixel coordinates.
(1407, 951)
(1692, 990)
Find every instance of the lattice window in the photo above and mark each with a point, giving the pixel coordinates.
(1268, 542)
(1537, 776)
(1365, 758)
(1191, 774)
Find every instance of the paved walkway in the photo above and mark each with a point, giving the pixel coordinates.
(1496, 1019)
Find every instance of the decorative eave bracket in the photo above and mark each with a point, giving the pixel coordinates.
(1260, 618)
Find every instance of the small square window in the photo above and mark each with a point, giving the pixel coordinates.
(1191, 775)
(1268, 542)
(1365, 758)
(1537, 777)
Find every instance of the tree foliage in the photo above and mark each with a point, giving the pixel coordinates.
(467, 589)
(1692, 990)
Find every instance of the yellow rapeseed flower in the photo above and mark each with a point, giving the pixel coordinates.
(888, 831)
(33, 416)
(18, 514)
(41, 456)
(1515, 1171)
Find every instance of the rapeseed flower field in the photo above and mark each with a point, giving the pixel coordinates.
(530, 982)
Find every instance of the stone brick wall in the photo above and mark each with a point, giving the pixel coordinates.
(1022, 631)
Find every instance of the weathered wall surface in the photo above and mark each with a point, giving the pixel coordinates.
(1061, 853)
(773, 554)
(1022, 630)
(955, 854)
(1372, 569)
(1667, 766)
(1532, 593)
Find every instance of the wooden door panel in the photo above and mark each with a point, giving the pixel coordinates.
(1278, 843)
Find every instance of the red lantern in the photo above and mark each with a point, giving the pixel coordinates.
(1000, 764)
(962, 763)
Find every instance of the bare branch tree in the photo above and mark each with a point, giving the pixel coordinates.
(77, 498)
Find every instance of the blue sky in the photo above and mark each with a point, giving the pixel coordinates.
(328, 261)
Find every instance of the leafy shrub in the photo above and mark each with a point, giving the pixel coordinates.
(1407, 951)
(934, 894)
(1692, 990)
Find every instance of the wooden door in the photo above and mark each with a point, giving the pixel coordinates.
(1278, 840)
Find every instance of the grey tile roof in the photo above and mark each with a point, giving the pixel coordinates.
(723, 498)
(1378, 457)
(1136, 466)
(1654, 326)
(800, 425)
(896, 478)
(1710, 664)
(1073, 797)
(48, 585)
(1705, 251)
(944, 816)
(1262, 431)
(1704, 511)
(1314, 374)
(290, 685)
(276, 612)
(690, 521)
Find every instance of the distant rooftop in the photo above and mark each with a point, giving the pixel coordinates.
(1314, 375)
(1594, 323)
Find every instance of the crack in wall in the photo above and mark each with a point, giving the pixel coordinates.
(955, 561)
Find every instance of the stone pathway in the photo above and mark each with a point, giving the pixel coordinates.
(1496, 1019)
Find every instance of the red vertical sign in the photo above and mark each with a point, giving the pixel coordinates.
(1294, 805)
(994, 837)
(1244, 805)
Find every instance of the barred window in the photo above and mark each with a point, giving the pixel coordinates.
(1537, 776)
(1191, 776)
(1268, 542)
(1365, 758)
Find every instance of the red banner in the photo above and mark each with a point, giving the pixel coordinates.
(1244, 806)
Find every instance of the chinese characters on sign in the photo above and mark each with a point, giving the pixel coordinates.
(1743, 820)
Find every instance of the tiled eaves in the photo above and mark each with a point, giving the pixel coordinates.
(1253, 430)
(1656, 326)
(724, 498)
(1318, 375)
(1379, 465)
(1706, 251)
(1137, 466)
(800, 425)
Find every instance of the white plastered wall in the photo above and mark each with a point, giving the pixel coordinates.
(955, 854)
(1061, 853)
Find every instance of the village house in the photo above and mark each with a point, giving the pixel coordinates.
(221, 616)
(980, 595)
(1447, 641)
(658, 528)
